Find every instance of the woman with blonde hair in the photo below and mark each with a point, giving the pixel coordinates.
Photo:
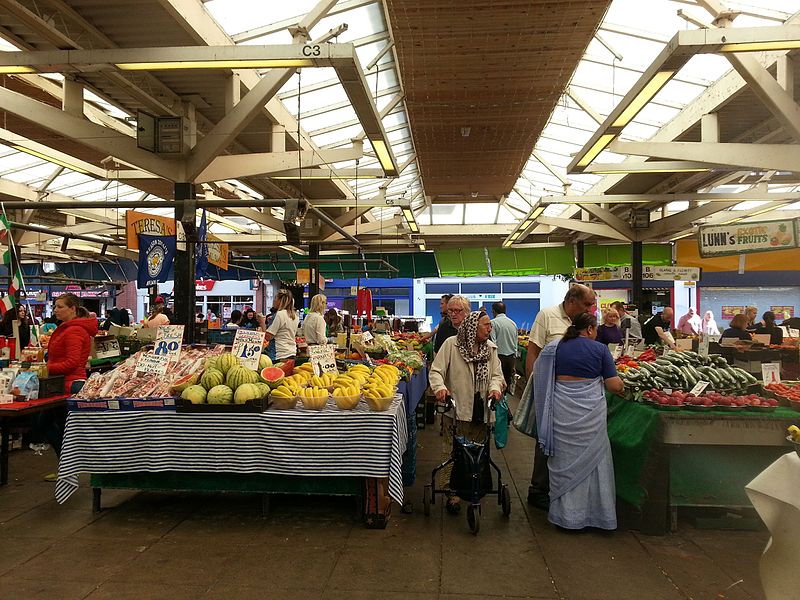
(314, 323)
(283, 327)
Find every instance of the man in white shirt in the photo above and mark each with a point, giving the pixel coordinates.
(504, 334)
(551, 323)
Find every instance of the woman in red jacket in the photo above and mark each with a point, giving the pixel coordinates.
(71, 342)
(67, 353)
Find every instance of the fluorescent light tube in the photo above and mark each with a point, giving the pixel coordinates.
(760, 46)
(384, 157)
(49, 158)
(217, 64)
(603, 141)
(642, 98)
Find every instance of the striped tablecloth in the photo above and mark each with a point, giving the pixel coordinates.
(331, 442)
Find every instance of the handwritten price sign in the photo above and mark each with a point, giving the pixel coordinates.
(247, 347)
(168, 341)
(323, 358)
(153, 363)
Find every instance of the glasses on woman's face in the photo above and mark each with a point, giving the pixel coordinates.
(455, 310)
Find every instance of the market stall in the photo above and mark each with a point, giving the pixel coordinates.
(201, 418)
(128, 449)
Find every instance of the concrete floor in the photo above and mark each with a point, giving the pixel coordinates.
(176, 546)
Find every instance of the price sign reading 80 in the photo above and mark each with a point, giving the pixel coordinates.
(168, 341)
(247, 346)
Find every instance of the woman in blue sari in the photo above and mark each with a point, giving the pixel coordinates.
(570, 379)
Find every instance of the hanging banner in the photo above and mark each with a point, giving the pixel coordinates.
(782, 312)
(654, 273)
(649, 273)
(744, 238)
(597, 273)
(139, 222)
(728, 312)
(217, 252)
(156, 255)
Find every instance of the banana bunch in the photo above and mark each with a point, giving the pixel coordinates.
(343, 391)
(794, 433)
(283, 391)
(324, 380)
(313, 392)
(364, 369)
(359, 377)
(388, 373)
(304, 368)
(378, 390)
(298, 380)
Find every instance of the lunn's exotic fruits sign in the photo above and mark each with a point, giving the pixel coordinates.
(743, 238)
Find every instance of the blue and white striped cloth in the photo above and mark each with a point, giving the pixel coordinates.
(330, 442)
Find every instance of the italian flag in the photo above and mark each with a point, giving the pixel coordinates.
(10, 300)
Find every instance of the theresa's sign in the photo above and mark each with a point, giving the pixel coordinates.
(137, 223)
(743, 238)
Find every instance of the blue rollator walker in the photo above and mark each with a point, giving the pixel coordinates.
(471, 479)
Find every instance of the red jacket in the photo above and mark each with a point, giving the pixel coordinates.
(69, 349)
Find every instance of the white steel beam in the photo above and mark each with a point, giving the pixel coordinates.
(584, 105)
(234, 166)
(598, 229)
(89, 134)
(610, 219)
(784, 157)
(769, 91)
(680, 220)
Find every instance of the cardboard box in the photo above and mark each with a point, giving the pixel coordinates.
(105, 347)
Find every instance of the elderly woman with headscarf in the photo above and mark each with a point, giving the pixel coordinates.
(570, 378)
(467, 368)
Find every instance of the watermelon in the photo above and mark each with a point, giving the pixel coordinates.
(211, 363)
(240, 375)
(184, 382)
(212, 378)
(263, 388)
(196, 394)
(286, 366)
(220, 394)
(246, 392)
(272, 376)
(264, 361)
(226, 362)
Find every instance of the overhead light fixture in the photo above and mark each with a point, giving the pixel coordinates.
(603, 141)
(515, 235)
(507, 244)
(653, 86)
(329, 175)
(536, 212)
(217, 64)
(422, 246)
(384, 156)
(465, 131)
(681, 236)
(634, 171)
(51, 159)
(760, 46)
(408, 214)
(16, 69)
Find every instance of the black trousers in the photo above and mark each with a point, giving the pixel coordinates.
(540, 478)
(508, 362)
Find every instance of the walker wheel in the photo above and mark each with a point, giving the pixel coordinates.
(474, 518)
(427, 501)
(505, 500)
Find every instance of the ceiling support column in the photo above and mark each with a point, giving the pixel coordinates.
(72, 102)
(580, 254)
(636, 268)
(184, 292)
(313, 264)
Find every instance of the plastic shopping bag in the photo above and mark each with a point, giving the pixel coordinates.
(501, 418)
(525, 416)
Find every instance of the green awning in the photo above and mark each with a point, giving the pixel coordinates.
(616, 255)
(463, 262)
(531, 261)
(409, 264)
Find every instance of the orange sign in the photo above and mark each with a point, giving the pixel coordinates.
(218, 253)
(782, 312)
(137, 222)
(728, 312)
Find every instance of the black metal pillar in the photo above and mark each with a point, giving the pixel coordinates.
(184, 291)
(313, 265)
(579, 254)
(636, 268)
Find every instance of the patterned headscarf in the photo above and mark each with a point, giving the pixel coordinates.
(465, 342)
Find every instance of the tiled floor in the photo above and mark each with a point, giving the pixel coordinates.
(180, 546)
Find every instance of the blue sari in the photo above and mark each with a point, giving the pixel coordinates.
(571, 420)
